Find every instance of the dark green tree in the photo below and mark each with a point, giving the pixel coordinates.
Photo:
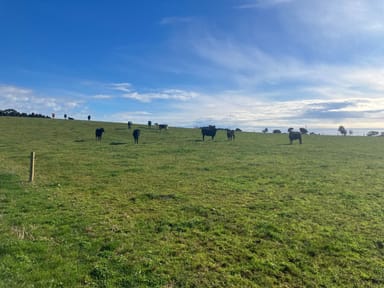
(342, 130)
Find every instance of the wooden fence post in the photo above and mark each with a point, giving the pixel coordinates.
(32, 167)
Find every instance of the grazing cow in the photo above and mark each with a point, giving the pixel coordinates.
(136, 134)
(163, 126)
(71, 118)
(209, 131)
(99, 133)
(294, 135)
(230, 134)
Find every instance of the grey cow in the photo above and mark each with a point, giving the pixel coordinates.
(230, 134)
(293, 135)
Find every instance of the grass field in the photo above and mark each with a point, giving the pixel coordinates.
(174, 211)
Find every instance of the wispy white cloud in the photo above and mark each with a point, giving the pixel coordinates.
(124, 87)
(345, 29)
(336, 20)
(27, 100)
(251, 68)
(369, 79)
(14, 93)
(245, 64)
(170, 94)
(129, 92)
(261, 4)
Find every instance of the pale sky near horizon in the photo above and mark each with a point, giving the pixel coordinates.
(232, 63)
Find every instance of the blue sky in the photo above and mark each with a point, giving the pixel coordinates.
(233, 63)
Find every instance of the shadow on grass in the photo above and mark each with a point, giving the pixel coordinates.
(206, 140)
(117, 143)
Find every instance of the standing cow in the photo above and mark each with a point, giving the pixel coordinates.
(163, 126)
(294, 135)
(209, 131)
(136, 135)
(230, 134)
(99, 133)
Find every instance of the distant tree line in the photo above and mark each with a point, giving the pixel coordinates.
(14, 113)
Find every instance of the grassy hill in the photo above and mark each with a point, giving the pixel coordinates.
(174, 211)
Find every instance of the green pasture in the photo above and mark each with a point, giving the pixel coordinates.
(174, 211)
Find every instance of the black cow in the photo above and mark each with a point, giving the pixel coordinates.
(163, 126)
(136, 134)
(209, 131)
(293, 135)
(230, 134)
(99, 133)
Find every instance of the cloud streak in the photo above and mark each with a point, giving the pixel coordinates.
(169, 94)
(262, 4)
(122, 87)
